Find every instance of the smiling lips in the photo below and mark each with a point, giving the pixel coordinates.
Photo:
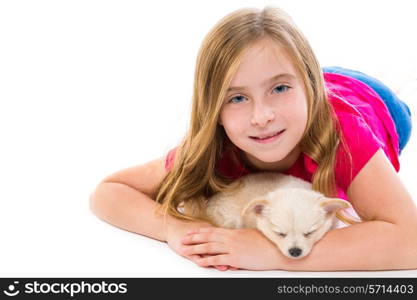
(267, 138)
(267, 135)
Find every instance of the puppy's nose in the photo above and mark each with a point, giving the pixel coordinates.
(295, 251)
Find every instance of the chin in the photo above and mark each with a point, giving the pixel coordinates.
(272, 158)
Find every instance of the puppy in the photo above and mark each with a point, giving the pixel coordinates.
(284, 208)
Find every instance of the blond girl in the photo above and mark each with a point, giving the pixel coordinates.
(261, 102)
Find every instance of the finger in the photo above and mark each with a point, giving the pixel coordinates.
(221, 268)
(207, 229)
(198, 238)
(205, 248)
(214, 260)
(193, 257)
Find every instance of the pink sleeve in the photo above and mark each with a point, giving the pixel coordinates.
(169, 161)
(362, 144)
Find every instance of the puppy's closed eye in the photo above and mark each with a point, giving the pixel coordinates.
(281, 234)
(309, 233)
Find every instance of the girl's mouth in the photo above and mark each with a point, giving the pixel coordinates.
(268, 139)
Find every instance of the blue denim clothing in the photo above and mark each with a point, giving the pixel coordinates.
(399, 111)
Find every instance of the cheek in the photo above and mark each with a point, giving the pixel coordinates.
(297, 112)
(232, 122)
(296, 115)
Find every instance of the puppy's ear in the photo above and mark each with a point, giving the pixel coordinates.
(256, 207)
(335, 205)
(332, 205)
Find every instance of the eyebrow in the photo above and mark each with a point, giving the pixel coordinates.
(276, 77)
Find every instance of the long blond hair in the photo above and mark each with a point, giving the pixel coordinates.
(193, 177)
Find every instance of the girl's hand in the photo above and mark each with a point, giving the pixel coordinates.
(176, 229)
(239, 248)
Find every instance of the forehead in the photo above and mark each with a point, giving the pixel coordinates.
(262, 61)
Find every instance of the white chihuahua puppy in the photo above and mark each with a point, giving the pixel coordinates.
(284, 208)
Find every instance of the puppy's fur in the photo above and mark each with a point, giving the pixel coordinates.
(284, 208)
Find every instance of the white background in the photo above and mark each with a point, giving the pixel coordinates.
(91, 87)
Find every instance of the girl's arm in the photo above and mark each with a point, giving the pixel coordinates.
(125, 200)
(126, 208)
(386, 241)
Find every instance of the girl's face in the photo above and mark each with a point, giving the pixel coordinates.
(265, 110)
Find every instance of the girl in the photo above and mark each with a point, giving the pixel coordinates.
(262, 103)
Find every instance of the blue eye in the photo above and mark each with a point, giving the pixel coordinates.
(282, 88)
(237, 97)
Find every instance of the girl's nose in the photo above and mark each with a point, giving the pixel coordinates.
(262, 115)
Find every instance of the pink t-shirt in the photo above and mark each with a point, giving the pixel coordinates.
(366, 126)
